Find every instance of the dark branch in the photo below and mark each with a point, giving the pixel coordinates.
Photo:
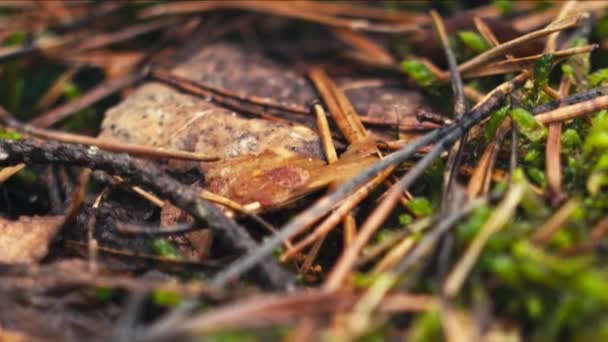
(145, 174)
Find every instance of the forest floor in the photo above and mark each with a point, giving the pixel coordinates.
(303, 171)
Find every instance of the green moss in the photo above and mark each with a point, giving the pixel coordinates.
(10, 135)
(164, 248)
(419, 73)
(495, 121)
(405, 219)
(104, 293)
(420, 206)
(598, 77)
(473, 41)
(166, 298)
(533, 156)
(540, 71)
(467, 230)
(537, 175)
(570, 139)
(505, 6)
(528, 126)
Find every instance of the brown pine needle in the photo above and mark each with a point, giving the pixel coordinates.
(280, 9)
(326, 87)
(478, 178)
(366, 46)
(102, 144)
(544, 233)
(332, 157)
(99, 92)
(566, 10)
(56, 90)
(499, 217)
(553, 153)
(506, 47)
(334, 218)
(485, 31)
(9, 171)
(397, 253)
(325, 134)
(517, 64)
(565, 113)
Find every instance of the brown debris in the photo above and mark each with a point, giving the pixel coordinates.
(26, 240)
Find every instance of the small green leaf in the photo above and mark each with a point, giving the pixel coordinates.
(473, 41)
(597, 139)
(420, 206)
(569, 72)
(495, 121)
(364, 280)
(405, 219)
(166, 298)
(532, 156)
(103, 293)
(9, 135)
(504, 267)
(164, 248)
(571, 139)
(16, 38)
(529, 127)
(537, 176)
(469, 228)
(598, 77)
(505, 6)
(419, 73)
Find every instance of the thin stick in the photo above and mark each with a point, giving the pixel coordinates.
(325, 134)
(397, 253)
(56, 90)
(460, 107)
(134, 171)
(375, 220)
(478, 178)
(326, 203)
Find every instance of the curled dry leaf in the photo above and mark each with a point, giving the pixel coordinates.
(26, 240)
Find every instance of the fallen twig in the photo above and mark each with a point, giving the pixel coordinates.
(137, 172)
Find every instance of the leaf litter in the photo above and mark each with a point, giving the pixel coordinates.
(278, 188)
